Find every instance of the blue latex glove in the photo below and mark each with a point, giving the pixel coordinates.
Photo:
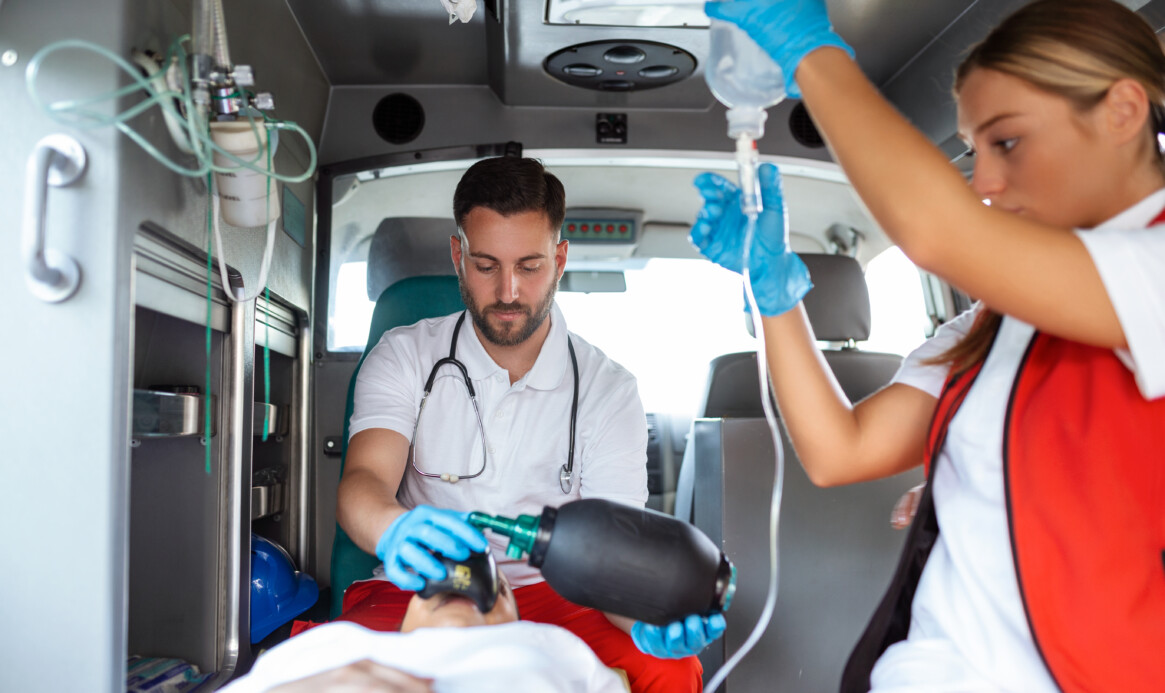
(788, 30)
(406, 546)
(679, 638)
(779, 278)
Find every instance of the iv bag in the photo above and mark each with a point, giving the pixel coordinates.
(743, 77)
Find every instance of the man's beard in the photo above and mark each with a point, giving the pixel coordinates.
(511, 333)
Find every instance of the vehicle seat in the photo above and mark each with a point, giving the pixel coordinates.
(839, 311)
(403, 303)
(838, 307)
(837, 546)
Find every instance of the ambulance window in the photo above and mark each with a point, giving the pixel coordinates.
(898, 319)
(675, 317)
(678, 315)
(350, 309)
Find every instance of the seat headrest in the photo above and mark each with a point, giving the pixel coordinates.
(405, 247)
(410, 300)
(839, 302)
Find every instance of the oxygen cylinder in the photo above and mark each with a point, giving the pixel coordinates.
(629, 561)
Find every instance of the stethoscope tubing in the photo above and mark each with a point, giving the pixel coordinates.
(566, 472)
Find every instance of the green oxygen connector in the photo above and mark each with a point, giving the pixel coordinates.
(522, 531)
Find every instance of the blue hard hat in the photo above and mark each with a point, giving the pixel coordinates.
(279, 592)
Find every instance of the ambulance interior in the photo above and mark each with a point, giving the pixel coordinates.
(207, 420)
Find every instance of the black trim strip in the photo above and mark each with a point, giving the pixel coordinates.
(1007, 427)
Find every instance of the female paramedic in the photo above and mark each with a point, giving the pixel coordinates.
(1036, 561)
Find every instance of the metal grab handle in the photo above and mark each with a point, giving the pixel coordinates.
(57, 160)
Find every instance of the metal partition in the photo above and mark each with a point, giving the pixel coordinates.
(837, 554)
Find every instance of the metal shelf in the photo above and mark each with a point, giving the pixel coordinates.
(276, 420)
(266, 500)
(158, 414)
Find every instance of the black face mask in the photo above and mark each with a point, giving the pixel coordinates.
(475, 578)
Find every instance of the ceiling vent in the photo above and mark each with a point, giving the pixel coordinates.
(398, 118)
(620, 65)
(804, 129)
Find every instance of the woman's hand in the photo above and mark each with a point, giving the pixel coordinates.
(906, 507)
(779, 278)
(686, 637)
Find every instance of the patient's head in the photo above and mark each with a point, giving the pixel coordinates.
(449, 609)
(474, 593)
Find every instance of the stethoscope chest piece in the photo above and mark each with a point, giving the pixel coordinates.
(565, 480)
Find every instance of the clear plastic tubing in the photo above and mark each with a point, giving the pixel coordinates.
(746, 80)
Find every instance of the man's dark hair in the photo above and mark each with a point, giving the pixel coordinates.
(510, 185)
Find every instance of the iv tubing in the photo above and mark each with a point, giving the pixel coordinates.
(746, 159)
(157, 77)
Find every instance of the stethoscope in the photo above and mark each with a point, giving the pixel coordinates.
(565, 473)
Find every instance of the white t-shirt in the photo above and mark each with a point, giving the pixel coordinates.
(968, 630)
(527, 424)
(520, 656)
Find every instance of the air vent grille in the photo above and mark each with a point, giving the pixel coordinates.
(398, 118)
(804, 129)
(620, 65)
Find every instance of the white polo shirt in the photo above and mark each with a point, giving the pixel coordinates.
(968, 630)
(527, 424)
(519, 656)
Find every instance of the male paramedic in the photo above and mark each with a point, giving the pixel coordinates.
(500, 409)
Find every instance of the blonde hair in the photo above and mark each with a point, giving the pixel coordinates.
(1075, 49)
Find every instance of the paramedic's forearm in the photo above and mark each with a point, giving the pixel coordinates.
(816, 412)
(833, 87)
(366, 500)
(364, 509)
(837, 442)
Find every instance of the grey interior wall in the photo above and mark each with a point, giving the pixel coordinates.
(64, 390)
(65, 395)
(837, 555)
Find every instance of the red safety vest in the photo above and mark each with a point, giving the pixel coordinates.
(1084, 487)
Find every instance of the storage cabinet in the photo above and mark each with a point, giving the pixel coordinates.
(191, 515)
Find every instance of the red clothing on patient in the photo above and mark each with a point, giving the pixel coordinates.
(380, 605)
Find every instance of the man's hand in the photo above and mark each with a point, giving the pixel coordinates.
(787, 30)
(364, 676)
(678, 639)
(779, 278)
(906, 507)
(407, 546)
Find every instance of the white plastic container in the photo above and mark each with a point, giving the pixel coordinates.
(743, 77)
(243, 191)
